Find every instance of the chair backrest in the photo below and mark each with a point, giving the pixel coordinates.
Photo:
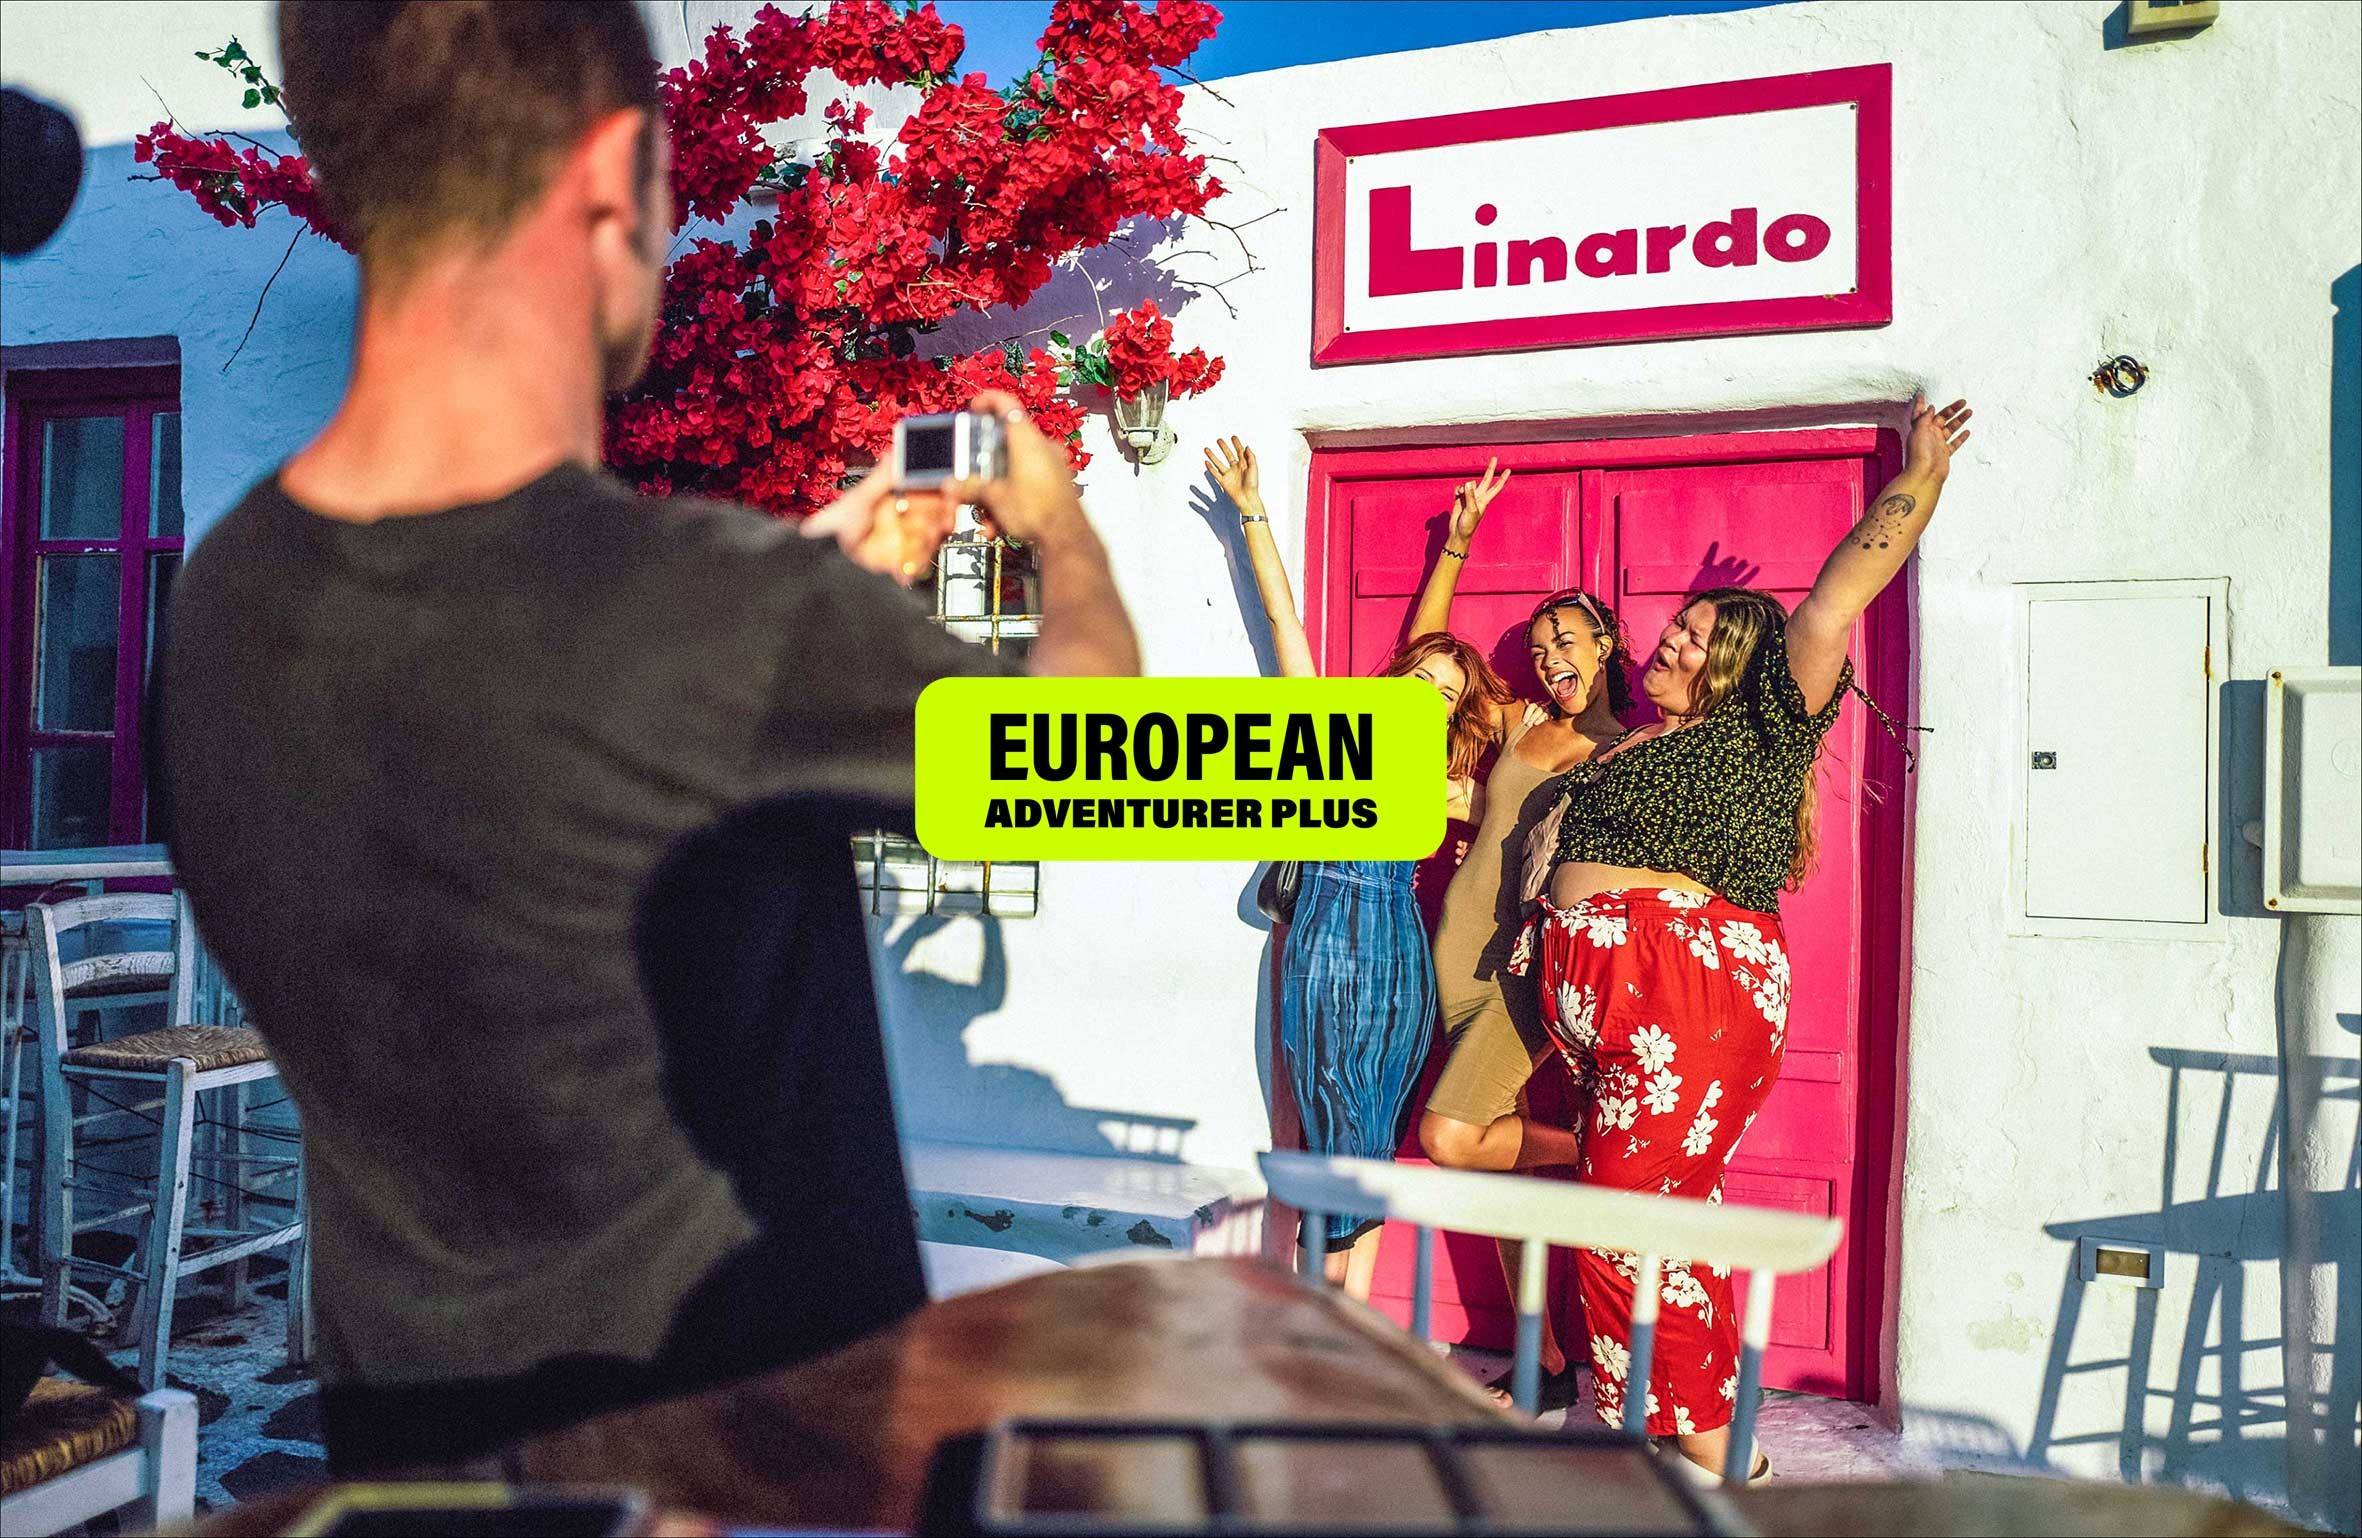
(108, 977)
(1555, 1212)
(1765, 1244)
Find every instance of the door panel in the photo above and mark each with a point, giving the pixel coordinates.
(1747, 525)
(1647, 525)
(1524, 549)
(1803, 1316)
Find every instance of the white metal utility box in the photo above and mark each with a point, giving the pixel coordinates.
(2313, 791)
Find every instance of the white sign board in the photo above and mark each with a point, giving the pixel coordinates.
(1748, 206)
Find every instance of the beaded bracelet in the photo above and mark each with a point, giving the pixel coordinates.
(1457, 555)
(1246, 518)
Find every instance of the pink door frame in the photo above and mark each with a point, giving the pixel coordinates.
(1886, 668)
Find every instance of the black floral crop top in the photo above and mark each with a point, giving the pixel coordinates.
(1715, 801)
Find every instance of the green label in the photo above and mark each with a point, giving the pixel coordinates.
(1180, 769)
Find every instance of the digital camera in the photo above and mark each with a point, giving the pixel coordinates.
(930, 451)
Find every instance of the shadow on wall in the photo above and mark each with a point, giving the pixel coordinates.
(2239, 776)
(1209, 501)
(940, 1093)
(1081, 294)
(2226, 1416)
(2345, 470)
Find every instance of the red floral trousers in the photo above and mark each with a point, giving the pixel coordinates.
(1671, 1009)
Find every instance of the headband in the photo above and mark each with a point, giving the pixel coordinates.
(1580, 600)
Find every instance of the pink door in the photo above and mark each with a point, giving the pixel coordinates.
(1648, 522)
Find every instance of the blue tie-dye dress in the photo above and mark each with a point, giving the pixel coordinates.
(1357, 1009)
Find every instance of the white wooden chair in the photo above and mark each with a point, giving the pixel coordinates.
(130, 989)
(1764, 1244)
(176, 1065)
(143, 1464)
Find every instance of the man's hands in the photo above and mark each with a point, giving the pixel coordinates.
(1232, 465)
(1471, 498)
(883, 532)
(898, 533)
(1034, 500)
(1933, 437)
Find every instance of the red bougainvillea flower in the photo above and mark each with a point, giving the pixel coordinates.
(785, 355)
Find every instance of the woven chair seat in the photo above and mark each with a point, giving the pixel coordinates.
(208, 1046)
(62, 1426)
(106, 977)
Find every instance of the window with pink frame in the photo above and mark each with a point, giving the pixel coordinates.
(91, 526)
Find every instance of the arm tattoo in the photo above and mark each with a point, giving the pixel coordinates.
(1877, 530)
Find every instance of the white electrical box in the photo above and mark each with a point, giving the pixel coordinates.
(2313, 791)
(2116, 765)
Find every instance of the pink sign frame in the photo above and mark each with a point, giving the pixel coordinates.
(1869, 87)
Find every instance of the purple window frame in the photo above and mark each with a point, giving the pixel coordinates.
(36, 397)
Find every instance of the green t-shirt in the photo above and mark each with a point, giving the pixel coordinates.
(1715, 801)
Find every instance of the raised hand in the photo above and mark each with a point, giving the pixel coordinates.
(1934, 436)
(1232, 465)
(1471, 498)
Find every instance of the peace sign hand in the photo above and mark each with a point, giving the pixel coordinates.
(1471, 498)
(1934, 436)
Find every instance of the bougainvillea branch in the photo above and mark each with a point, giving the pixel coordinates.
(1133, 354)
(786, 354)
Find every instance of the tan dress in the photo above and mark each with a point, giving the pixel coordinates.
(1491, 1017)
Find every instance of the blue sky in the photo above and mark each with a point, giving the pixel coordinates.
(1272, 34)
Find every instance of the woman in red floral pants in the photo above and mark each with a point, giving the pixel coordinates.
(1672, 1006)
(1664, 972)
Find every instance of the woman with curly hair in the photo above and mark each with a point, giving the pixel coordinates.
(1477, 1116)
(1663, 971)
(1357, 988)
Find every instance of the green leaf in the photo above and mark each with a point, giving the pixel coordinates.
(253, 98)
(1059, 339)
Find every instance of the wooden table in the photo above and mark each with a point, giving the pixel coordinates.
(845, 1440)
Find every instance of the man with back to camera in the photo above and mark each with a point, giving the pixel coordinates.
(440, 695)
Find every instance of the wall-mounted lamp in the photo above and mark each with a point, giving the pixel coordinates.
(1141, 420)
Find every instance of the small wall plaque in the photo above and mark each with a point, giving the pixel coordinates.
(2146, 18)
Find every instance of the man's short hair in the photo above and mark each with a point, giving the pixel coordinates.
(428, 118)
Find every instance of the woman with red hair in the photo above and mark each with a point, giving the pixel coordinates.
(1357, 986)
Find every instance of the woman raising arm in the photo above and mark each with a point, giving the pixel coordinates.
(1664, 972)
(1357, 989)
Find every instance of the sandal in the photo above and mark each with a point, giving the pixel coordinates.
(1710, 1478)
(1557, 1391)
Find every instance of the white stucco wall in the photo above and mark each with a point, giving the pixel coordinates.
(137, 259)
(150, 62)
(2056, 201)
(2190, 202)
